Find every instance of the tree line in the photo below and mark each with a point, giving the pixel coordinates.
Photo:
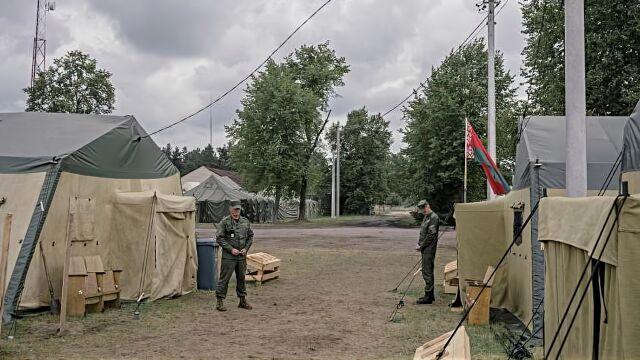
(281, 139)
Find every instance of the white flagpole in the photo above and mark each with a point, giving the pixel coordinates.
(466, 136)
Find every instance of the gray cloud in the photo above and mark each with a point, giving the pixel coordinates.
(167, 57)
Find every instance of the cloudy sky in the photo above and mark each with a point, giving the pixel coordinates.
(169, 57)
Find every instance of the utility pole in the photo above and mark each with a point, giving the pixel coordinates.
(338, 171)
(333, 184)
(575, 99)
(40, 41)
(490, 6)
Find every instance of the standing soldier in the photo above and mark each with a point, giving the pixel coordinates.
(427, 245)
(235, 237)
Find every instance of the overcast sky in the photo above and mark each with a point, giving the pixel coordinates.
(169, 57)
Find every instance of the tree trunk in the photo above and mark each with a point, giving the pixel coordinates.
(276, 206)
(302, 209)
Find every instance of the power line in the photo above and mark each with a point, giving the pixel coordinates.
(472, 35)
(245, 78)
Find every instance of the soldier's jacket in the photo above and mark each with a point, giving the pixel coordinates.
(233, 234)
(429, 232)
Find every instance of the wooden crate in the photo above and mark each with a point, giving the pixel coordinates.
(458, 348)
(262, 267)
(451, 271)
(479, 315)
(451, 286)
(451, 281)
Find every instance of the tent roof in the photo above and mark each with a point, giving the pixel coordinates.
(228, 173)
(32, 134)
(86, 144)
(215, 190)
(544, 139)
(631, 160)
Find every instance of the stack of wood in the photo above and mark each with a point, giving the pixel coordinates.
(458, 348)
(262, 267)
(451, 278)
(91, 288)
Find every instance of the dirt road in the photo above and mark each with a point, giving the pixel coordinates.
(331, 302)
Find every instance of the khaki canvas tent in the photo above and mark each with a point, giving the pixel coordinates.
(123, 191)
(540, 158)
(607, 322)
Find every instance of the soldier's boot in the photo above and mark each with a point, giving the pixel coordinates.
(220, 305)
(432, 295)
(244, 304)
(426, 299)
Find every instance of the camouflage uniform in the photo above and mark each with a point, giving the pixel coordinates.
(428, 243)
(233, 234)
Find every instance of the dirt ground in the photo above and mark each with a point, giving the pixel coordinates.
(332, 301)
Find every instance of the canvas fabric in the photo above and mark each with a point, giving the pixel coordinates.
(569, 229)
(115, 227)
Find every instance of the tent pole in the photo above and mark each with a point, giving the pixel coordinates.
(464, 186)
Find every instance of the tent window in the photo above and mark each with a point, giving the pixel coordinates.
(517, 224)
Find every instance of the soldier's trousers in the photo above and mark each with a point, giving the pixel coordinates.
(227, 268)
(428, 259)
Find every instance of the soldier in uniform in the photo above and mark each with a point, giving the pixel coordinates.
(427, 244)
(235, 237)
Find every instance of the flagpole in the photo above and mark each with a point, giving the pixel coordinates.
(466, 136)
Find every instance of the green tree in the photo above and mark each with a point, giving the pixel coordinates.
(278, 130)
(365, 141)
(399, 178)
(268, 140)
(434, 131)
(612, 50)
(73, 84)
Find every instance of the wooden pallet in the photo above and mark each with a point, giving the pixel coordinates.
(458, 348)
(262, 267)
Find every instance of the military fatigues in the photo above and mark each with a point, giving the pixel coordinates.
(428, 242)
(237, 235)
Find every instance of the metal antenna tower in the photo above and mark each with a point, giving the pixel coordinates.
(40, 41)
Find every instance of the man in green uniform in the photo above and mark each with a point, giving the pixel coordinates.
(235, 237)
(427, 244)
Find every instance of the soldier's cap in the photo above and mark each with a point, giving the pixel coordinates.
(235, 204)
(423, 203)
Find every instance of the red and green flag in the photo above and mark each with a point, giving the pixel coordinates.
(475, 150)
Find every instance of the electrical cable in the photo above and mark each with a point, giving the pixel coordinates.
(610, 175)
(230, 90)
(472, 35)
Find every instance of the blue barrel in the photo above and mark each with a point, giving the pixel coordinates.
(207, 267)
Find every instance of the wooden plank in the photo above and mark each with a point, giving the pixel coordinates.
(262, 276)
(65, 277)
(4, 258)
(77, 266)
(94, 264)
(458, 348)
(479, 315)
(74, 299)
